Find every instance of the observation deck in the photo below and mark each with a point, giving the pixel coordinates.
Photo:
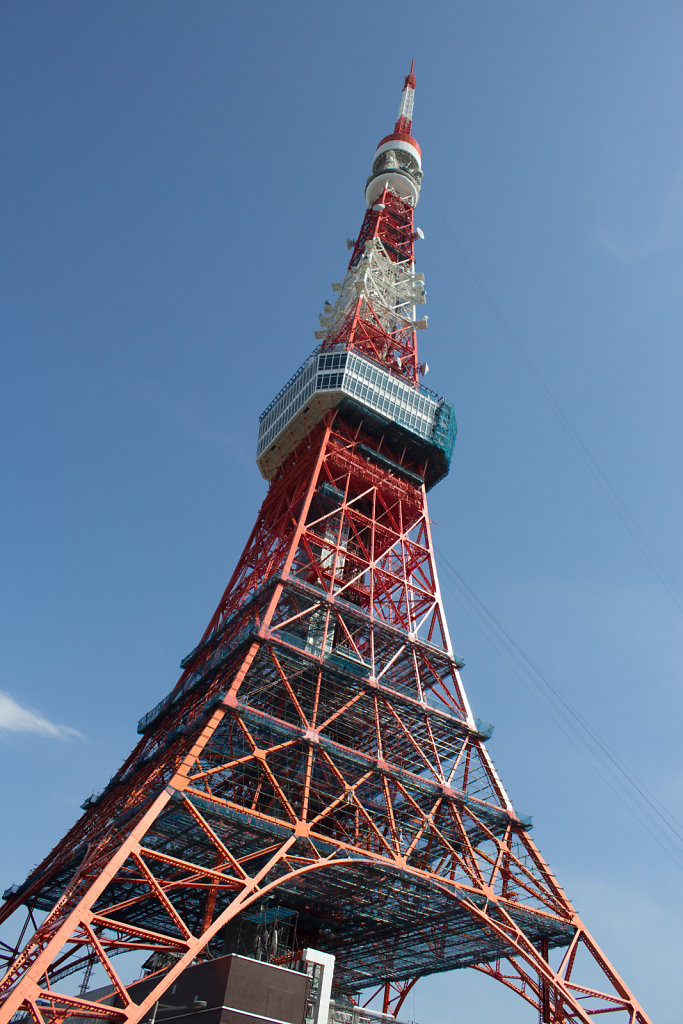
(422, 422)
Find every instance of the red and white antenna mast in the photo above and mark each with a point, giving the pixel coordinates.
(398, 158)
(405, 111)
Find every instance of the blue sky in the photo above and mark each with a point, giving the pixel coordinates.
(178, 183)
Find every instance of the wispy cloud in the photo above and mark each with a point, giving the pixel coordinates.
(16, 718)
(665, 227)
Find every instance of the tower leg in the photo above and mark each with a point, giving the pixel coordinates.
(318, 745)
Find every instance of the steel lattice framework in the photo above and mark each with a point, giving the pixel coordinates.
(318, 751)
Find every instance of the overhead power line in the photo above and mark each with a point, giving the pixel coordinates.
(640, 800)
(657, 563)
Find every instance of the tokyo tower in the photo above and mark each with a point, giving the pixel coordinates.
(317, 762)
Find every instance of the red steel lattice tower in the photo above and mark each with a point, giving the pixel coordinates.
(318, 756)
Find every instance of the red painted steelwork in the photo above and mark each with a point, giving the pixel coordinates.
(390, 222)
(317, 755)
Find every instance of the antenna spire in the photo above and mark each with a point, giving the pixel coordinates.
(404, 121)
(397, 163)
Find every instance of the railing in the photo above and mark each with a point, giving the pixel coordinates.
(343, 1013)
(291, 380)
(356, 373)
